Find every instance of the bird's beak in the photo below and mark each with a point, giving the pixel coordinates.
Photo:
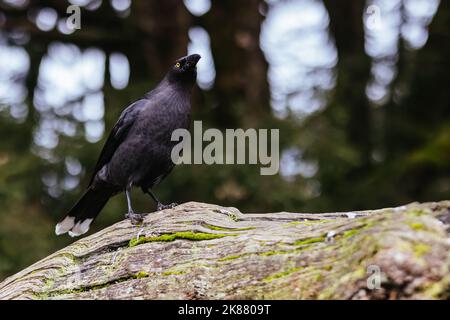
(192, 60)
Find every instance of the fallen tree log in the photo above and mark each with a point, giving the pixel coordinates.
(203, 251)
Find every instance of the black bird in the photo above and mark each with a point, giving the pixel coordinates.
(138, 149)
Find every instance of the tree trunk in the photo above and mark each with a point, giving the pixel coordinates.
(203, 251)
(241, 92)
(353, 68)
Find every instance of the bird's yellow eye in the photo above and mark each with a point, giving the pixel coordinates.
(177, 65)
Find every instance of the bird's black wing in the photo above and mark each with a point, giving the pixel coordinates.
(118, 134)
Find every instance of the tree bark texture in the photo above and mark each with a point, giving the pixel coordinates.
(204, 251)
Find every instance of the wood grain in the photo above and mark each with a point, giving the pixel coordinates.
(204, 251)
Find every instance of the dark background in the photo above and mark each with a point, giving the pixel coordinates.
(359, 91)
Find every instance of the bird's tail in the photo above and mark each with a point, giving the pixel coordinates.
(79, 218)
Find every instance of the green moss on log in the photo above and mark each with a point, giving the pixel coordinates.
(185, 235)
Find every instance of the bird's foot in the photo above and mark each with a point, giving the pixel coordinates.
(161, 206)
(135, 218)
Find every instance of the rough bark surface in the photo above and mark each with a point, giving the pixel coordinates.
(204, 251)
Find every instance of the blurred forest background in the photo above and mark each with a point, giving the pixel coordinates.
(359, 90)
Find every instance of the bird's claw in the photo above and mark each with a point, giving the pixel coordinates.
(135, 218)
(161, 206)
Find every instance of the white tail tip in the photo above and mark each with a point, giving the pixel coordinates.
(74, 229)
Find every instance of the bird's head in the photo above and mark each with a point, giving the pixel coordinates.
(184, 70)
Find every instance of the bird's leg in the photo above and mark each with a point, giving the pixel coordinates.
(159, 205)
(151, 194)
(134, 217)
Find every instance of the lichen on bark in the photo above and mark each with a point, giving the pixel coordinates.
(204, 251)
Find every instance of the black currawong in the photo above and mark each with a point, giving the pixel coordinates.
(138, 149)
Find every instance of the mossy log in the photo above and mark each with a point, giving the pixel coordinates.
(204, 251)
